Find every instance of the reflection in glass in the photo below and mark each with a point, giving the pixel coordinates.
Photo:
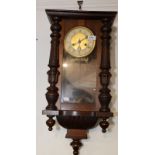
(78, 79)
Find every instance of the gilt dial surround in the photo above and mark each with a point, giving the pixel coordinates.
(79, 41)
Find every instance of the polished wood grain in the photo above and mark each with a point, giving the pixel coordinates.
(76, 134)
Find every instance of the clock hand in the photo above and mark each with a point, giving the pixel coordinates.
(79, 41)
(83, 38)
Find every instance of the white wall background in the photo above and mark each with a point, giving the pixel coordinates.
(55, 143)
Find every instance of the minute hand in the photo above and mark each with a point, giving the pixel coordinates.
(83, 38)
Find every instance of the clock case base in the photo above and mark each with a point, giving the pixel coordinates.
(77, 119)
(78, 122)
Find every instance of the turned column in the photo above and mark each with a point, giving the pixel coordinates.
(104, 96)
(52, 91)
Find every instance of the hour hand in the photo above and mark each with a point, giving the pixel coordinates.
(73, 44)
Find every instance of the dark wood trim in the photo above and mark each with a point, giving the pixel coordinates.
(105, 96)
(75, 14)
(76, 144)
(76, 134)
(98, 114)
(52, 91)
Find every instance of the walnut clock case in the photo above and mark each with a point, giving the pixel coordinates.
(79, 75)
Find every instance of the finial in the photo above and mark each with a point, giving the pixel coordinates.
(80, 2)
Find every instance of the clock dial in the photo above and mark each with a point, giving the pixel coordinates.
(79, 41)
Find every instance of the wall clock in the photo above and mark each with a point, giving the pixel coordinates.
(79, 75)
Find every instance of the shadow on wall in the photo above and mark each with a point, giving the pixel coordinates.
(113, 80)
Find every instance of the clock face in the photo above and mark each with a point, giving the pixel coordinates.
(79, 41)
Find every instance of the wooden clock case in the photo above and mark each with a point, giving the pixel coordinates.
(78, 118)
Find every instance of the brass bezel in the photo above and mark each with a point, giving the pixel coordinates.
(75, 55)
